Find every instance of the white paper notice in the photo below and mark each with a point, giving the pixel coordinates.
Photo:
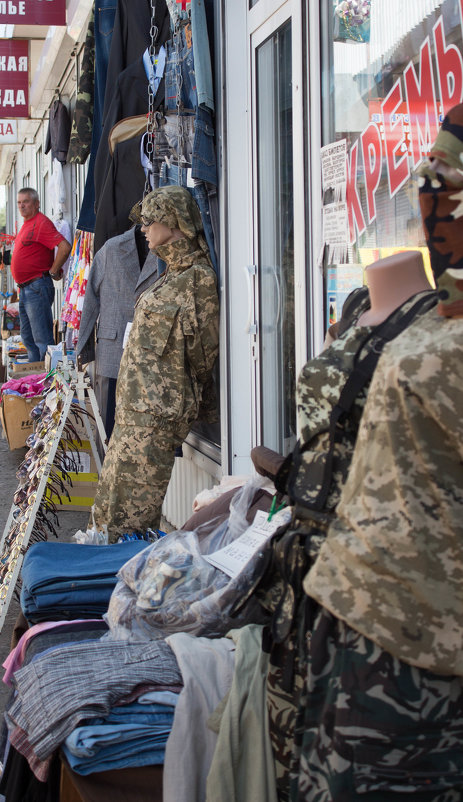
(335, 232)
(232, 559)
(334, 168)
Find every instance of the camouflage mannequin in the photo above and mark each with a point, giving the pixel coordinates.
(165, 369)
(382, 709)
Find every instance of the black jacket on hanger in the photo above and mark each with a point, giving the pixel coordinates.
(131, 37)
(123, 188)
(59, 132)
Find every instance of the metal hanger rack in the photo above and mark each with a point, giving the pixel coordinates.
(71, 382)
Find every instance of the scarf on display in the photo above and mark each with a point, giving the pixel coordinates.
(441, 202)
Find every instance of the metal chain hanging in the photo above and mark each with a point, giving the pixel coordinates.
(150, 128)
(178, 95)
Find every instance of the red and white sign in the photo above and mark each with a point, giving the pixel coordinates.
(33, 12)
(14, 78)
(8, 132)
(404, 125)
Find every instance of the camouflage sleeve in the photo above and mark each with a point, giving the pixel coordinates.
(201, 325)
(81, 131)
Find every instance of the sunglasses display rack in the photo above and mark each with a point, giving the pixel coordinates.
(33, 514)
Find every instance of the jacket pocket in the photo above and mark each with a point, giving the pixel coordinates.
(156, 329)
(106, 332)
(425, 763)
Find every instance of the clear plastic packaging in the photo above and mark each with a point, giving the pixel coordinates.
(170, 586)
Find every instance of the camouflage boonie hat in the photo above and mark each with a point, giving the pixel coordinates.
(174, 206)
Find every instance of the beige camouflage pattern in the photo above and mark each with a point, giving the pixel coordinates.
(392, 564)
(166, 365)
(135, 477)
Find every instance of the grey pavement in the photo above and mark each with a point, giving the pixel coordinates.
(69, 522)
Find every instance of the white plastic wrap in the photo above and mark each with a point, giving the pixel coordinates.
(170, 587)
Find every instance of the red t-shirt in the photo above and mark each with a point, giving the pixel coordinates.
(33, 252)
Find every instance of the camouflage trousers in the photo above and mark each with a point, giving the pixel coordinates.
(134, 479)
(372, 728)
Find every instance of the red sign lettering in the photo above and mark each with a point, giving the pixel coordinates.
(371, 151)
(422, 106)
(449, 69)
(354, 207)
(33, 12)
(14, 78)
(398, 169)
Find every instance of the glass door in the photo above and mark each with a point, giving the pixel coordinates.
(274, 237)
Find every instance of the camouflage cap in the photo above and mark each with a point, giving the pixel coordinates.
(174, 206)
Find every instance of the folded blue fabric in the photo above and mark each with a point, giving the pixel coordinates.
(48, 562)
(70, 579)
(127, 736)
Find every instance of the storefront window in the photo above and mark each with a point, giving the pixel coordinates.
(391, 70)
(276, 239)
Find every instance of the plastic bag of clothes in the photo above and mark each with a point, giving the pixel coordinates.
(171, 587)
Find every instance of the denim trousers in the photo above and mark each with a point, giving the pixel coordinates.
(178, 176)
(36, 317)
(105, 12)
(180, 80)
(201, 49)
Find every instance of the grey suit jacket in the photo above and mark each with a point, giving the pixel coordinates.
(115, 282)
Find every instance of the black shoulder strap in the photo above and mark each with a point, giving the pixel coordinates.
(360, 376)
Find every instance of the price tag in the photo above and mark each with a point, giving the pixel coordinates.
(233, 558)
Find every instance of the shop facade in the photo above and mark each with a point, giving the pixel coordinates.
(358, 87)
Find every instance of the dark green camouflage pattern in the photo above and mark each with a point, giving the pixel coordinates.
(392, 563)
(372, 728)
(81, 130)
(319, 387)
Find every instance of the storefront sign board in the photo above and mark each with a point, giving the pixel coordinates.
(8, 132)
(14, 78)
(33, 12)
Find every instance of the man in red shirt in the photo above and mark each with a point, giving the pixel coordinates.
(33, 266)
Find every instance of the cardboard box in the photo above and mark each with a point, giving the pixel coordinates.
(18, 369)
(16, 420)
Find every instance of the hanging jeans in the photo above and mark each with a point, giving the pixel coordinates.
(36, 317)
(105, 12)
(180, 79)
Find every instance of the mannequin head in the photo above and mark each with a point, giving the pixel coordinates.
(391, 282)
(168, 214)
(441, 201)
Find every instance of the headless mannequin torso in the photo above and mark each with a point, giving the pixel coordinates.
(391, 282)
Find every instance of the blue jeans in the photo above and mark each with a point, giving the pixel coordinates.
(105, 12)
(36, 317)
(203, 163)
(174, 175)
(180, 80)
(202, 56)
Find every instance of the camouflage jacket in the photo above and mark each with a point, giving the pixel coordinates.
(318, 391)
(173, 343)
(82, 119)
(392, 563)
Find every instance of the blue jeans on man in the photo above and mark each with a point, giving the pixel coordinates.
(36, 317)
